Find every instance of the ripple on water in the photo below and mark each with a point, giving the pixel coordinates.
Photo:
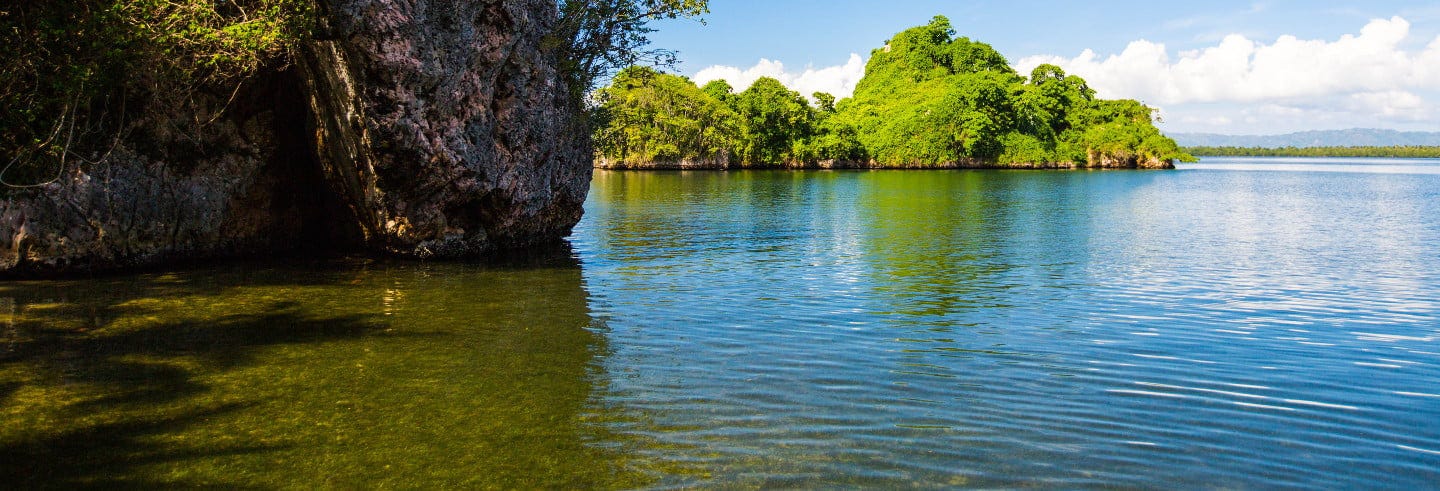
(1246, 324)
(1214, 327)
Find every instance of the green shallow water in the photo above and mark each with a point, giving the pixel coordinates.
(333, 375)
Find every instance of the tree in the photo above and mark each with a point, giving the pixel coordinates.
(966, 56)
(980, 102)
(832, 138)
(773, 117)
(655, 117)
(720, 90)
(600, 37)
(824, 102)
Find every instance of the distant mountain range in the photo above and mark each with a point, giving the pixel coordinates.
(1355, 137)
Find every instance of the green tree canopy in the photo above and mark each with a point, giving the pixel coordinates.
(650, 116)
(774, 118)
(720, 90)
(824, 102)
(930, 98)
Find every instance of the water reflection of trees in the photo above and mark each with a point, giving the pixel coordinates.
(358, 374)
(932, 242)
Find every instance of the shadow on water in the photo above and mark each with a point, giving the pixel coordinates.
(118, 391)
(100, 455)
(357, 373)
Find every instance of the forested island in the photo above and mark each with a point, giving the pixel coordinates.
(1405, 151)
(928, 100)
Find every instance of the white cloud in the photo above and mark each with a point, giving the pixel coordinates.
(1398, 110)
(1238, 69)
(1370, 79)
(838, 80)
(1214, 120)
(1393, 103)
(1377, 77)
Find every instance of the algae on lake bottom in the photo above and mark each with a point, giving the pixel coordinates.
(386, 375)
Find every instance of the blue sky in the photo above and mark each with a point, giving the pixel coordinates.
(1215, 66)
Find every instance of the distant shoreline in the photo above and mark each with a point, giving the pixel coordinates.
(972, 163)
(1356, 151)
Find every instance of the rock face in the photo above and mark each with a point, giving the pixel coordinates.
(446, 125)
(1104, 161)
(240, 184)
(414, 128)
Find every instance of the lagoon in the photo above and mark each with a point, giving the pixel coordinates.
(1237, 322)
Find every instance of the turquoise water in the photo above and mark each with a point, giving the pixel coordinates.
(1233, 323)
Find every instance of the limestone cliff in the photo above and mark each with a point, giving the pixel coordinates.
(446, 125)
(415, 128)
(181, 183)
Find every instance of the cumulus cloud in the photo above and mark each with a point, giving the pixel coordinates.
(838, 80)
(1397, 104)
(1380, 76)
(1372, 66)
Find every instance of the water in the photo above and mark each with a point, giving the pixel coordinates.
(1234, 323)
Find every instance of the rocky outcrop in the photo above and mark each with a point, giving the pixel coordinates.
(183, 183)
(424, 129)
(1106, 161)
(446, 125)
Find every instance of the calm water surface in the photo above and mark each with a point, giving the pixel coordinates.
(1250, 323)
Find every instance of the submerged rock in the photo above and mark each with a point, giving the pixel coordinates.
(425, 129)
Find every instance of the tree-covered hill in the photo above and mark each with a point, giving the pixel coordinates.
(928, 99)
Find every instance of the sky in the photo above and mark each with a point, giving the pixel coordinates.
(1218, 66)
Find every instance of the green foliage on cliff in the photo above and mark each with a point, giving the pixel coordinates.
(74, 68)
(1409, 151)
(648, 116)
(928, 98)
(773, 118)
(651, 116)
